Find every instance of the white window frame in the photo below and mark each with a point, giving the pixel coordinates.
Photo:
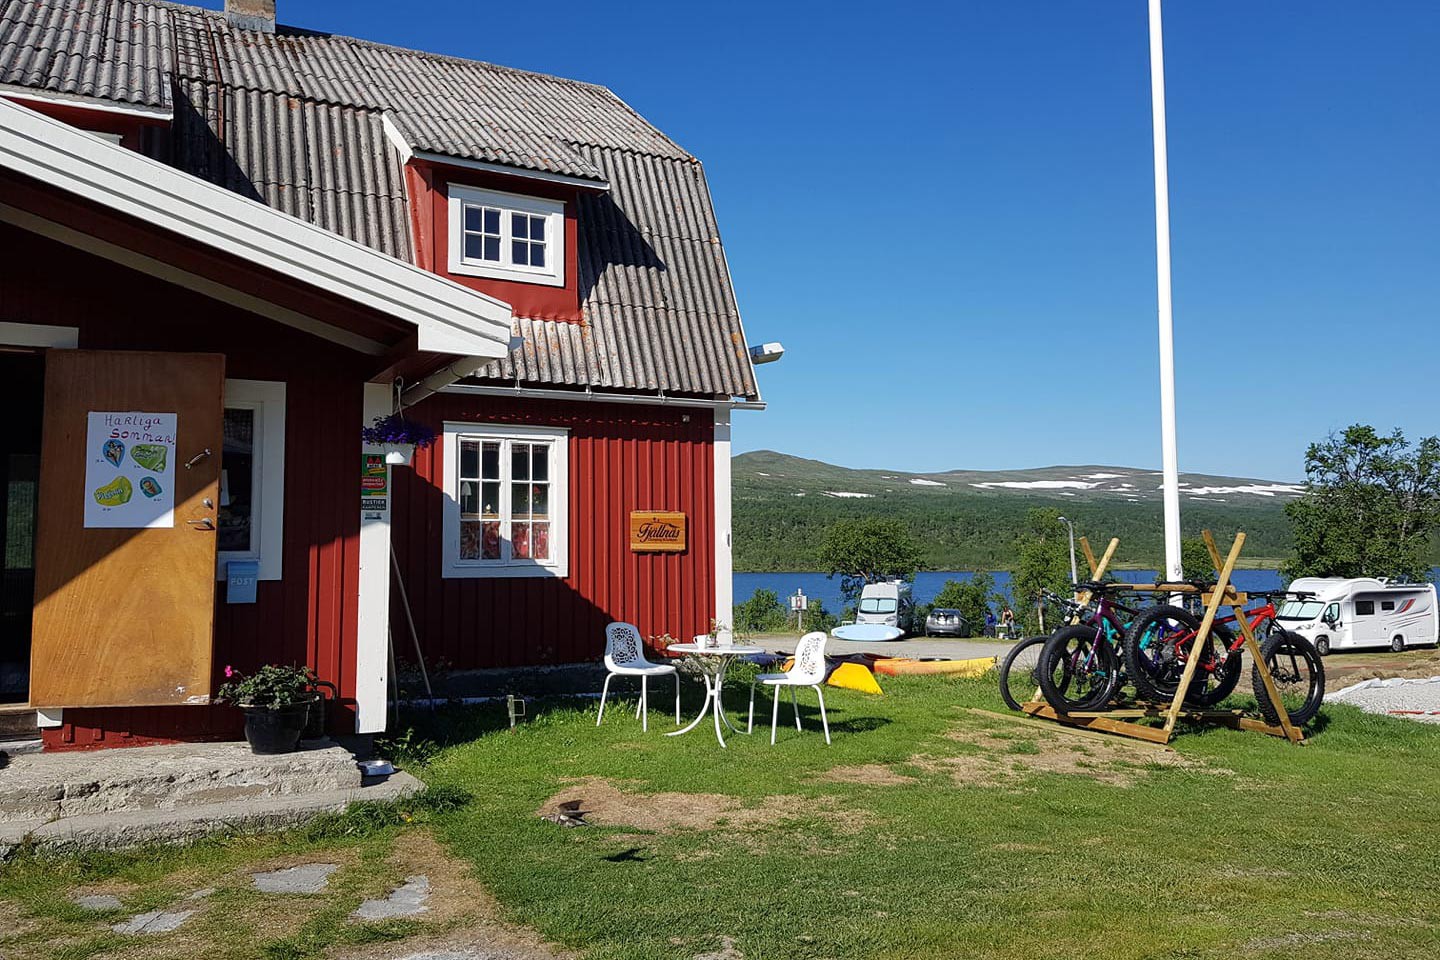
(552, 274)
(267, 516)
(559, 439)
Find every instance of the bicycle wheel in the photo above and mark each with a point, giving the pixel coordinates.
(1020, 666)
(1299, 676)
(1157, 647)
(1077, 670)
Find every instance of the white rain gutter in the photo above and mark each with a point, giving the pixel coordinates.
(596, 396)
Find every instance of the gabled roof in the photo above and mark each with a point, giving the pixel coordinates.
(448, 318)
(296, 119)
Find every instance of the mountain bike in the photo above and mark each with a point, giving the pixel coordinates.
(1160, 644)
(1080, 666)
(1021, 662)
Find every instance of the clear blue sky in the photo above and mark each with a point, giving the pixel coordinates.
(945, 211)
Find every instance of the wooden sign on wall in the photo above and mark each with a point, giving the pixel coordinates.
(655, 531)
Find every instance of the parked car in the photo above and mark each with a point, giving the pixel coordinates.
(946, 622)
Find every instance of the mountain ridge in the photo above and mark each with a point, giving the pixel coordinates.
(969, 519)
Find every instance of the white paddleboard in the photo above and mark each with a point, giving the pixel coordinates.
(867, 632)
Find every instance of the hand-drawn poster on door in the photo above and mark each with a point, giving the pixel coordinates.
(130, 470)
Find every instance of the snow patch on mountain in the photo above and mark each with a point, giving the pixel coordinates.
(920, 482)
(1254, 489)
(847, 494)
(1036, 485)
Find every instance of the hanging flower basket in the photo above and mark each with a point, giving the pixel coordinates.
(398, 438)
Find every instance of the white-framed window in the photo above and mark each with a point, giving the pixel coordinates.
(506, 501)
(506, 236)
(252, 477)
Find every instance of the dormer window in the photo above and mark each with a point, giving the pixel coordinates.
(506, 236)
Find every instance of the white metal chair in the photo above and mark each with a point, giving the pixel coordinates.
(808, 670)
(625, 657)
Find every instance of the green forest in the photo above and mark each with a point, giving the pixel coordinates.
(782, 511)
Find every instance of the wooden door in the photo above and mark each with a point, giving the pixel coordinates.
(125, 538)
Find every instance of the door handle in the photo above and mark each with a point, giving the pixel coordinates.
(197, 458)
(204, 523)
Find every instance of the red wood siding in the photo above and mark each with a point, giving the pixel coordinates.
(429, 198)
(130, 128)
(622, 457)
(309, 616)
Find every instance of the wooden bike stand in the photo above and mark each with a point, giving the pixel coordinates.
(1122, 721)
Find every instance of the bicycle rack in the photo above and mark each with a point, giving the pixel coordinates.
(1123, 721)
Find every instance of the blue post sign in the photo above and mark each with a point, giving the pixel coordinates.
(241, 576)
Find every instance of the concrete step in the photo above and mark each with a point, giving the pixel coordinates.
(50, 786)
(179, 825)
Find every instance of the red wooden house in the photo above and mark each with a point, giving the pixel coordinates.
(230, 245)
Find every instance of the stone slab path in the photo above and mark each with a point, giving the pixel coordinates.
(404, 901)
(305, 879)
(156, 921)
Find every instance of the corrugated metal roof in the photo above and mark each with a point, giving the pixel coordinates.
(295, 119)
(328, 164)
(112, 49)
(479, 140)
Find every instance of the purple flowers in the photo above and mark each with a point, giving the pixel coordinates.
(396, 429)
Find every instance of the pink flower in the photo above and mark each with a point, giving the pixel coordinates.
(229, 671)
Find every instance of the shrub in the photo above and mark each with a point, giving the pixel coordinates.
(762, 613)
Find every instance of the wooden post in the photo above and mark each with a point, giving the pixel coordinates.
(1263, 668)
(1089, 555)
(1214, 551)
(1211, 609)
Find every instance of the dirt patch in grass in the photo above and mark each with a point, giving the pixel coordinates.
(462, 917)
(869, 775)
(1002, 756)
(607, 805)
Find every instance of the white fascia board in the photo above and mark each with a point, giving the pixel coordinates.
(448, 318)
(464, 163)
(13, 92)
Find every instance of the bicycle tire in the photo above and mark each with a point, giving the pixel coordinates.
(1067, 685)
(1156, 670)
(1029, 679)
(1293, 661)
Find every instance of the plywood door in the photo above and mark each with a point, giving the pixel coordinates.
(124, 617)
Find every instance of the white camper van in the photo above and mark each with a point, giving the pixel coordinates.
(887, 604)
(1339, 614)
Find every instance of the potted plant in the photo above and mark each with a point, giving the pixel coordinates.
(398, 437)
(276, 702)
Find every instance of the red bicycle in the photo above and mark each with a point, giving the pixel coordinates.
(1161, 640)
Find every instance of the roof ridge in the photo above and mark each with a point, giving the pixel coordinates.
(285, 30)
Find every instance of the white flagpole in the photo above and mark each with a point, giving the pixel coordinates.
(1170, 460)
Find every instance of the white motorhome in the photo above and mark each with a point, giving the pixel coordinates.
(887, 604)
(1341, 614)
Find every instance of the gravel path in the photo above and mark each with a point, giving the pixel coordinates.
(1411, 699)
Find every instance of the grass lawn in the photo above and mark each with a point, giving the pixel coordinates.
(926, 830)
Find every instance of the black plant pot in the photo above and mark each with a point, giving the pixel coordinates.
(275, 729)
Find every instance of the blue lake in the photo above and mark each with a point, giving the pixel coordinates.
(928, 583)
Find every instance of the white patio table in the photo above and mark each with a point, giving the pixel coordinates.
(713, 662)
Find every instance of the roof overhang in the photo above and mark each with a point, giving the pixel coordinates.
(447, 317)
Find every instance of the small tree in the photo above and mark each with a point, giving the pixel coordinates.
(762, 613)
(1195, 562)
(973, 597)
(1042, 562)
(868, 550)
(816, 617)
(1371, 505)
